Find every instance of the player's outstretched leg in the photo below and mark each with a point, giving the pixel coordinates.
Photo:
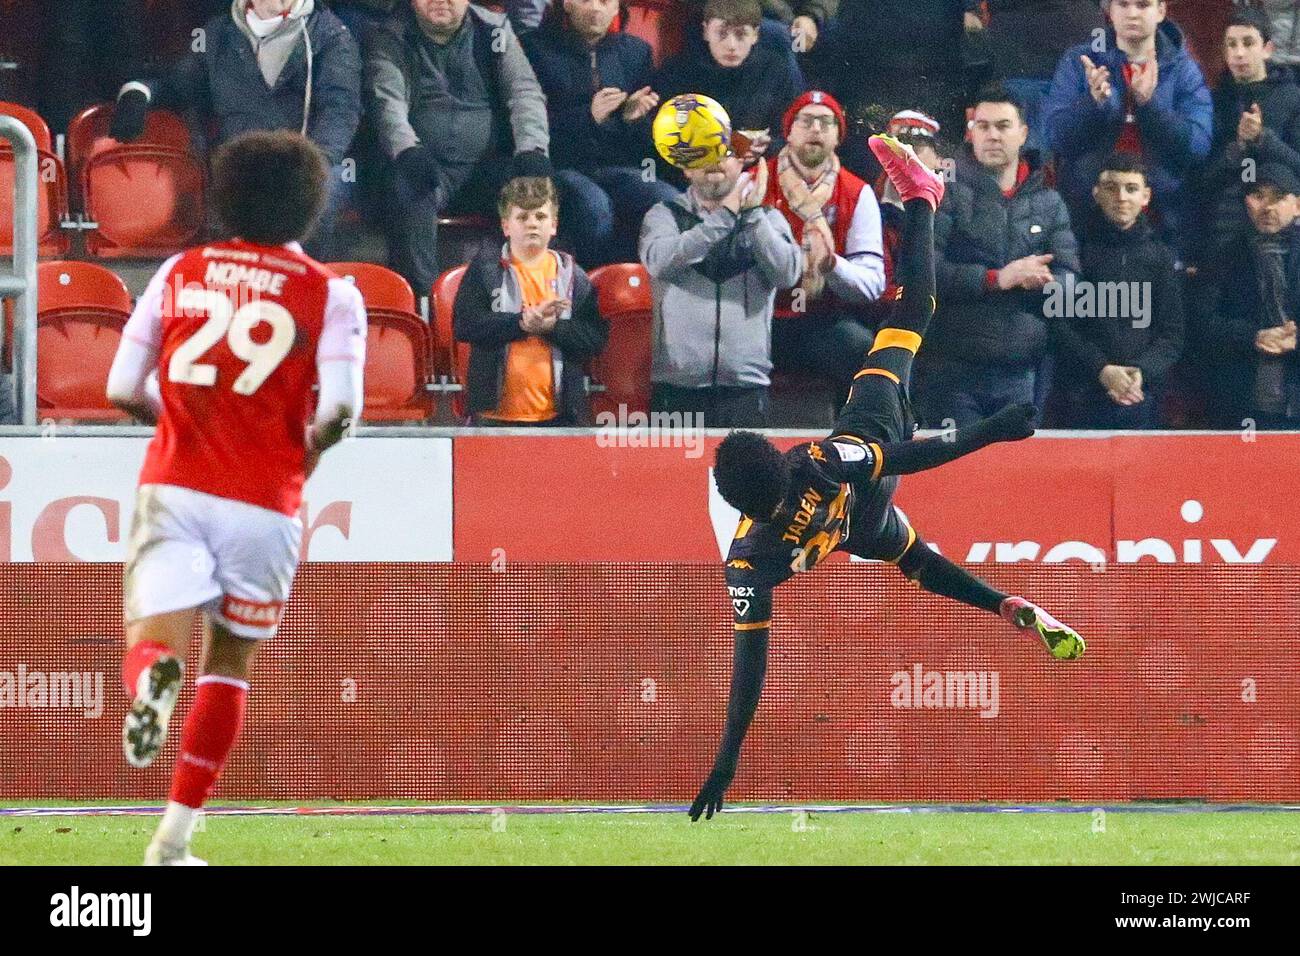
(211, 730)
(152, 671)
(897, 342)
(938, 575)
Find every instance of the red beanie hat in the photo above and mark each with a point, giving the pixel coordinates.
(813, 98)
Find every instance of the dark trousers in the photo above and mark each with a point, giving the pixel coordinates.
(831, 346)
(721, 407)
(601, 211)
(950, 393)
(413, 216)
(1094, 409)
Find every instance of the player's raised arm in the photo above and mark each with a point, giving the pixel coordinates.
(856, 459)
(132, 384)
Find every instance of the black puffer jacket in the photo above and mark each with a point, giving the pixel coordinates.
(1278, 97)
(977, 229)
(1236, 314)
(1152, 341)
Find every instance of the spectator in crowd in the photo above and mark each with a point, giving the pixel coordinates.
(802, 21)
(1256, 304)
(1284, 25)
(529, 315)
(1027, 39)
(1114, 354)
(1140, 93)
(1001, 235)
(793, 26)
(265, 64)
(1256, 118)
(453, 99)
(834, 216)
(753, 82)
(716, 257)
(600, 107)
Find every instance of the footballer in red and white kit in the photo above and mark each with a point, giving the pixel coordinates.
(223, 351)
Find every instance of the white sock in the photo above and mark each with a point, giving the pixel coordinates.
(177, 824)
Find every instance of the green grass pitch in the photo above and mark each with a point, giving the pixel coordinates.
(1204, 838)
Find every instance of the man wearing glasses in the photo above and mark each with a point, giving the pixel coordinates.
(821, 325)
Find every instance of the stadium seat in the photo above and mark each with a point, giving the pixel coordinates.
(460, 237)
(146, 201)
(74, 351)
(623, 297)
(450, 358)
(660, 23)
(81, 310)
(80, 285)
(397, 368)
(33, 121)
(397, 344)
(51, 209)
(380, 287)
(88, 135)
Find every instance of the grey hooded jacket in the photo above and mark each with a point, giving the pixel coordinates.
(714, 277)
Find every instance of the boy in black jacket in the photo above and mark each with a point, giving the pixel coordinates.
(1256, 120)
(529, 315)
(1121, 326)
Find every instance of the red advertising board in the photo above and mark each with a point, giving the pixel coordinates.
(1178, 499)
(452, 681)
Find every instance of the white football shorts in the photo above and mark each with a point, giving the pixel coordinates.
(230, 559)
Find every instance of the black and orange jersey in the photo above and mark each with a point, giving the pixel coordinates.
(828, 479)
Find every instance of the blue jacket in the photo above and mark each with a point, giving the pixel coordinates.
(564, 66)
(1175, 125)
(225, 83)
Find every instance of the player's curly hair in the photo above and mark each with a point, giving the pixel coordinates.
(751, 473)
(269, 187)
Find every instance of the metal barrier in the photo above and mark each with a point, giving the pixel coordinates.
(19, 281)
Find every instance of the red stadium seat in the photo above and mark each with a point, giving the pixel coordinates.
(65, 285)
(33, 121)
(88, 135)
(397, 344)
(450, 357)
(623, 298)
(81, 310)
(74, 351)
(51, 207)
(80, 285)
(660, 23)
(146, 201)
(397, 368)
(381, 288)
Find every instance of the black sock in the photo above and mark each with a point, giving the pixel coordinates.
(938, 575)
